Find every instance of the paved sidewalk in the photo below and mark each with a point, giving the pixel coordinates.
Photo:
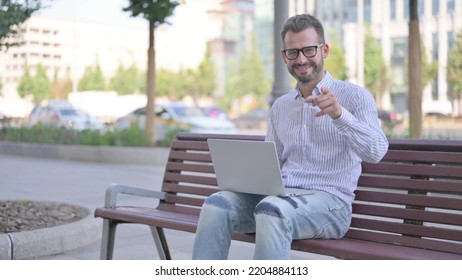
(84, 183)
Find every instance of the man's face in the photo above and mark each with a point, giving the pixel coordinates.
(304, 69)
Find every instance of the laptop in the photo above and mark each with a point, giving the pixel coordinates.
(249, 167)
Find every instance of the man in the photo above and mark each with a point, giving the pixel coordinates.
(322, 129)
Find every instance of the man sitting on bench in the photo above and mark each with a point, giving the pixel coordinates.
(322, 129)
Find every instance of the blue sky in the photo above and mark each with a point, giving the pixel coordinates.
(96, 11)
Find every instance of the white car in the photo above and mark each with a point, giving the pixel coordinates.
(60, 113)
(171, 116)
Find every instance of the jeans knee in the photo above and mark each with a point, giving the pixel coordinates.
(218, 200)
(269, 209)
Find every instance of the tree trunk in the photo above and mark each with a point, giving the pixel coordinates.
(415, 73)
(149, 128)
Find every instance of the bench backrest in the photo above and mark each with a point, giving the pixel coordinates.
(413, 197)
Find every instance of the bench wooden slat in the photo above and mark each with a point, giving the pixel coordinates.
(188, 156)
(411, 214)
(347, 248)
(190, 145)
(426, 145)
(176, 208)
(406, 199)
(399, 183)
(408, 229)
(188, 189)
(423, 171)
(177, 177)
(422, 156)
(151, 217)
(186, 200)
(400, 240)
(180, 166)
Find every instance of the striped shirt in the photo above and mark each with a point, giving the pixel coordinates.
(321, 153)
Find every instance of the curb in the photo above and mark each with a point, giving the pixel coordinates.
(50, 241)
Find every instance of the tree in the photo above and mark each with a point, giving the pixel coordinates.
(12, 14)
(206, 75)
(60, 88)
(41, 84)
(336, 62)
(248, 78)
(125, 81)
(167, 83)
(93, 79)
(414, 73)
(374, 66)
(430, 69)
(156, 12)
(454, 72)
(26, 83)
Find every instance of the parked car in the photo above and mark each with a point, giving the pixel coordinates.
(254, 119)
(171, 116)
(215, 112)
(387, 117)
(61, 113)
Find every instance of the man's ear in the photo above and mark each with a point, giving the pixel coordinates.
(283, 56)
(325, 50)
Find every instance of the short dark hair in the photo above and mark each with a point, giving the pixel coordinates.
(301, 22)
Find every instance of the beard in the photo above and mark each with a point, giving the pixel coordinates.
(305, 78)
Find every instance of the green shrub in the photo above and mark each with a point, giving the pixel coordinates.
(60, 135)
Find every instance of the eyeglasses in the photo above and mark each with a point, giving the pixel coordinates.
(309, 52)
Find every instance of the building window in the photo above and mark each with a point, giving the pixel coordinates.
(350, 8)
(435, 57)
(450, 40)
(421, 8)
(451, 6)
(435, 7)
(434, 84)
(398, 71)
(435, 44)
(407, 15)
(393, 10)
(367, 11)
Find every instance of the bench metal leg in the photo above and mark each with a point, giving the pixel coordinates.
(107, 240)
(161, 243)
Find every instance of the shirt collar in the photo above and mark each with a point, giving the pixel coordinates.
(325, 82)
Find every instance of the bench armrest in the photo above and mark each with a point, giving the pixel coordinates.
(114, 190)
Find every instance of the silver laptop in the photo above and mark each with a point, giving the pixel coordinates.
(249, 167)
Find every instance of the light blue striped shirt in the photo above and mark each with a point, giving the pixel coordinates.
(320, 153)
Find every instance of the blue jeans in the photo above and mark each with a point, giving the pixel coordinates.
(276, 221)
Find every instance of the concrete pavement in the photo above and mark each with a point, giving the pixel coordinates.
(84, 183)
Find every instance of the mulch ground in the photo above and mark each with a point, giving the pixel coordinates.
(26, 215)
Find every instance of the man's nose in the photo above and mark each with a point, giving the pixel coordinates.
(301, 58)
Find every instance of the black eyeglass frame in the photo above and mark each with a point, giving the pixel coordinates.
(316, 47)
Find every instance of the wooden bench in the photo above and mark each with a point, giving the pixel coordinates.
(408, 206)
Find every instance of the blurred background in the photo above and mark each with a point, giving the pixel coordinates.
(82, 64)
